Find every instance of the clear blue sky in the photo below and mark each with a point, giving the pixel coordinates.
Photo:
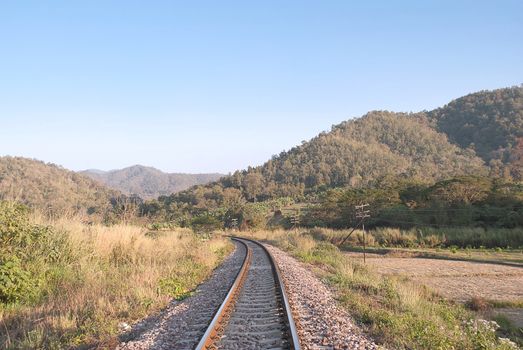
(204, 86)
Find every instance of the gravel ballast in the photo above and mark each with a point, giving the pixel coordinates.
(321, 323)
(182, 323)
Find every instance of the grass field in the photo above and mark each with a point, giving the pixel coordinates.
(67, 284)
(456, 280)
(494, 288)
(98, 278)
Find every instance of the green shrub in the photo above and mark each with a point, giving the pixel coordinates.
(27, 251)
(174, 288)
(15, 229)
(205, 223)
(16, 283)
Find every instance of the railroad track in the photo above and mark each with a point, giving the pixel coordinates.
(255, 313)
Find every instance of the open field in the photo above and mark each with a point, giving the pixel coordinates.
(457, 280)
(499, 285)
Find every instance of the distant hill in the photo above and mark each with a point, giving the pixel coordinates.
(148, 182)
(51, 188)
(473, 135)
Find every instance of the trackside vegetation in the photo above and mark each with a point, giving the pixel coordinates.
(396, 312)
(66, 284)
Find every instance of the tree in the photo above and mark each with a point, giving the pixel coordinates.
(253, 185)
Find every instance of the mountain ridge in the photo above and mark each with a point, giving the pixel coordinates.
(361, 152)
(148, 182)
(51, 188)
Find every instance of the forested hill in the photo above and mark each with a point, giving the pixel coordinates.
(425, 147)
(50, 188)
(148, 182)
(491, 123)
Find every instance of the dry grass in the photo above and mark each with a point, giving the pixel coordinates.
(111, 275)
(457, 280)
(397, 312)
(480, 286)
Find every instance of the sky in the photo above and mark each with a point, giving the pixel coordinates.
(215, 86)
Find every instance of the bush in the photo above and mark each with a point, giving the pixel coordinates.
(206, 223)
(16, 283)
(394, 237)
(24, 248)
(478, 237)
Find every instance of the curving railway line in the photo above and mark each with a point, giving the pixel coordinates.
(255, 313)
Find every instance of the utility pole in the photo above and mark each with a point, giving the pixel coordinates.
(234, 224)
(295, 219)
(362, 213)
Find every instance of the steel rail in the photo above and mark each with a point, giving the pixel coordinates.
(218, 323)
(294, 339)
(216, 326)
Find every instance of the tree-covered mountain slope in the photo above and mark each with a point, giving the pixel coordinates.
(51, 188)
(361, 151)
(148, 182)
(479, 134)
(356, 153)
(490, 122)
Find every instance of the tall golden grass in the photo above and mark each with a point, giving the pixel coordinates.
(112, 274)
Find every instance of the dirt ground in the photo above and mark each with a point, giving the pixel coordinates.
(458, 280)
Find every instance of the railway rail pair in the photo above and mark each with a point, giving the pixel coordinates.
(256, 313)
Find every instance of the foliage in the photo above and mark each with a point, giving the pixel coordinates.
(173, 287)
(490, 123)
(22, 245)
(356, 153)
(16, 283)
(78, 282)
(425, 237)
(205, 223)
(457, 202)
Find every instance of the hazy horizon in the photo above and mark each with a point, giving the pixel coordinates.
(143, 165)
(217, 87)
